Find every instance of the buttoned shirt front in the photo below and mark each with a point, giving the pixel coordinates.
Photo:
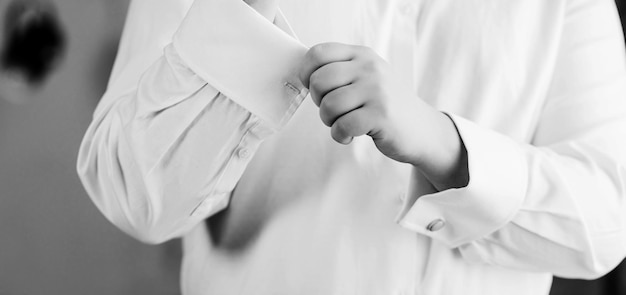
(206, 133)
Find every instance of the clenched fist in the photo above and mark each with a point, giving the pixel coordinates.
(356, 95)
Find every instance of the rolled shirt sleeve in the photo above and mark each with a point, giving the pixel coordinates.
(557, 204)
(181, 119)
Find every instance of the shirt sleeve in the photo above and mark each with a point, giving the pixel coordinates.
(183, 116)
(557, 205)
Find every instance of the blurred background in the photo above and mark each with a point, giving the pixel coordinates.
(53, 240)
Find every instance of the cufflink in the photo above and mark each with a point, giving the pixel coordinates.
(293, 89)
(436, 225)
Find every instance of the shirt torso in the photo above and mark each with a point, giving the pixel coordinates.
(310, 216)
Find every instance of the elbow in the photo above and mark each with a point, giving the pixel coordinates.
(137, 218)
(128, 208)
(139, 223)
(145, 234)
(114, 174)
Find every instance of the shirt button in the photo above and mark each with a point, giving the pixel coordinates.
(409, 8)
(436, 225)
(243, 153)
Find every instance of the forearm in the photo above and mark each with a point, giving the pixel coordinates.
(552, 209)
(154, 157)
(170, 140)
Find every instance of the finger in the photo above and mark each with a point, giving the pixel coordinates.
(339, 102)
(330, 77)
(322, 54)
(350, 125)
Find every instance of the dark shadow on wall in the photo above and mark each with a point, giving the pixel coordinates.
(614, 283)
(34, 40)
(54, 240)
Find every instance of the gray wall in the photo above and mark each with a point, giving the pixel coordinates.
(52, 238)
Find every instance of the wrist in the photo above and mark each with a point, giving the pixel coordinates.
(444, 163)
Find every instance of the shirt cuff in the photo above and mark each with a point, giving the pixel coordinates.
(495, 192)
(244, 56)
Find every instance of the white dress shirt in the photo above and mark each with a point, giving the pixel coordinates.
(204, 117)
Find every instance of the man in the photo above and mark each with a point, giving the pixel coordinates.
(493, 157)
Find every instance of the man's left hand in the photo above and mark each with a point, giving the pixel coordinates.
(356, 95)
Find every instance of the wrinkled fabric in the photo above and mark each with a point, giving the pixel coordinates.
(205, 133)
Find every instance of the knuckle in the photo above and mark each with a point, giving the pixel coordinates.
(325, 115)
(369, 66)
(327, 110)
(332, 70)
(337, 136)
(315, 97)
(326, 119)
(315, 80)
(317, 50)
(344, 126)
(363, 49)
(373, 64)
